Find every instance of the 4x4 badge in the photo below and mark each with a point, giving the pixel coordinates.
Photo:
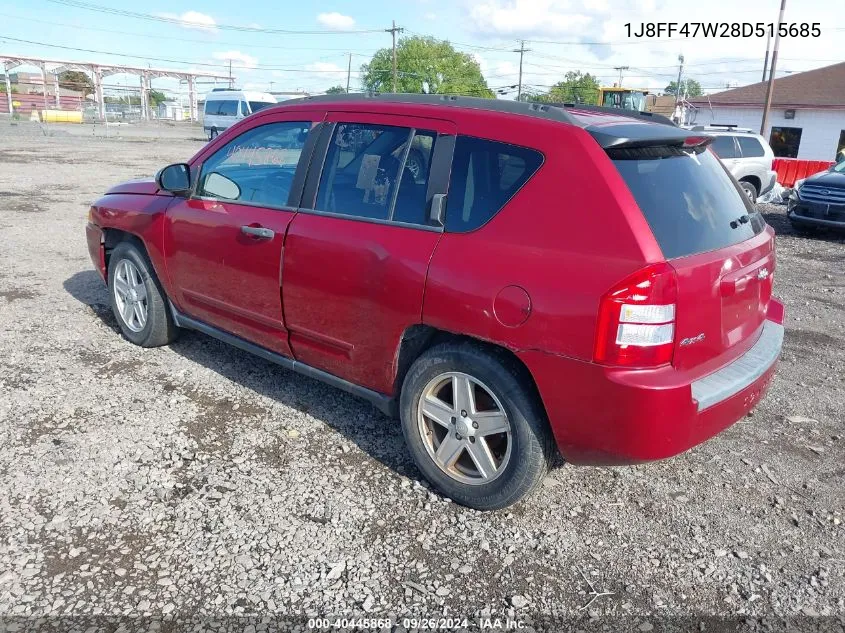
(693, 339)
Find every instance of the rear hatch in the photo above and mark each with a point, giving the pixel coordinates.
(721, 249)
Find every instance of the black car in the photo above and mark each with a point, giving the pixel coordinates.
(819, 200)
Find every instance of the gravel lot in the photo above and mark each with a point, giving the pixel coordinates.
(198, 481)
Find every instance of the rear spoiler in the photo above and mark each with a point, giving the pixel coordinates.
(614, 128)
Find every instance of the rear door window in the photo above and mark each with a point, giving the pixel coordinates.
(365, 172)
(689, 200)
(485, 175)
(255, 106)
(750, 147)
(725, 147)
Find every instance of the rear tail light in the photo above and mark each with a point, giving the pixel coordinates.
(636, 324)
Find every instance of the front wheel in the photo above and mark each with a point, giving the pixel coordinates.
(212, 134)
(138, 300)
(474, 425)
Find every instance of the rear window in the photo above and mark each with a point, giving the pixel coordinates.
(750, 147)
(689, 200)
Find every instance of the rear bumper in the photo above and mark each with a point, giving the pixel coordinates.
(96, 248)
(769, 180)
(601, 415)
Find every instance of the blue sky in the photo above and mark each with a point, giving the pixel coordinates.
(561, 35)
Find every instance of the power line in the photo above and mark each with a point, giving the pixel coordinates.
(183, 39)
(77, 4)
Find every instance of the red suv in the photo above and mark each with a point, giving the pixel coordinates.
(506, 278)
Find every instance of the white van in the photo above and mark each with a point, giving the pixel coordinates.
(224, 108)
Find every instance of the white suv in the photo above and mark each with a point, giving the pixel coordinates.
(746, 155)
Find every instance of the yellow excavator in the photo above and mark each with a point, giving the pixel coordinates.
(636, 100)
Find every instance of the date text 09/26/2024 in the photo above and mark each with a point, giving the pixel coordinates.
(723, 29)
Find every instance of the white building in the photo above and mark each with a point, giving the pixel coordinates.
(806, 119)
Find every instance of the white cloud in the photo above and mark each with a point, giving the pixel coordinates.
(336, 21)
(238, 59)
(528, 17)
(193, 20)
(326, 70)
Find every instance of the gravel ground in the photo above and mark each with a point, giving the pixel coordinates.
(197, 481)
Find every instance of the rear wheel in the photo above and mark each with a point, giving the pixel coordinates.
(138, 300)
(750, 190)
(474, 426)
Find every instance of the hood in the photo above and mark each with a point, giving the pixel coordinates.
(830, 179)
(143, 186)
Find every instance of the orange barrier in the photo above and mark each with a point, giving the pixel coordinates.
(789, 170)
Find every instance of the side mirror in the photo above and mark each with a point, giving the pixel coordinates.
(175, 178)
(437, 214)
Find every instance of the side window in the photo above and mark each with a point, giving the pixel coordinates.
(724, 147)
(750, 147)
(411, 200)
(363, 170)
(228, 108)
(256, 167)
(485, 175)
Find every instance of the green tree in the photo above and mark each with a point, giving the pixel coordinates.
(154, 98)
(336, 90)
(689, 87)
(425, 65)
(575, 88)
(76, 80)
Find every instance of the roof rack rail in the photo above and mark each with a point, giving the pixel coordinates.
(529, 108)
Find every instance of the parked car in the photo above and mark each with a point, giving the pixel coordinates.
(561, 278)
(819, 201)
(224, 108)
(746, 155)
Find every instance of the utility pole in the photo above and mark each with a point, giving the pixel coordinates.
(678, 86)
(393, 31)
(521, 50)
(231, 83)
(349, 72)
(771, 87)
(766, 61)
(620, 69)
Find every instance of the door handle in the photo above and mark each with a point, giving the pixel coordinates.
(258, 231)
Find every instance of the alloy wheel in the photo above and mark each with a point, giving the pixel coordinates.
(130, 295)
(464, 428)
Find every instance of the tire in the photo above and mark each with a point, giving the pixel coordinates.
(521, 457)
(803, 229)
(130, 272)
(750, 190)
(212, 134)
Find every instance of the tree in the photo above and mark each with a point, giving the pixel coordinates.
(689, 87)
(154, 98)
(76, 80)
(575, 88)
(425, 65)
(336, 90)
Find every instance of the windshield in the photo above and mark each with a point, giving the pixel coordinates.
(255, 106)
(688, 199)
